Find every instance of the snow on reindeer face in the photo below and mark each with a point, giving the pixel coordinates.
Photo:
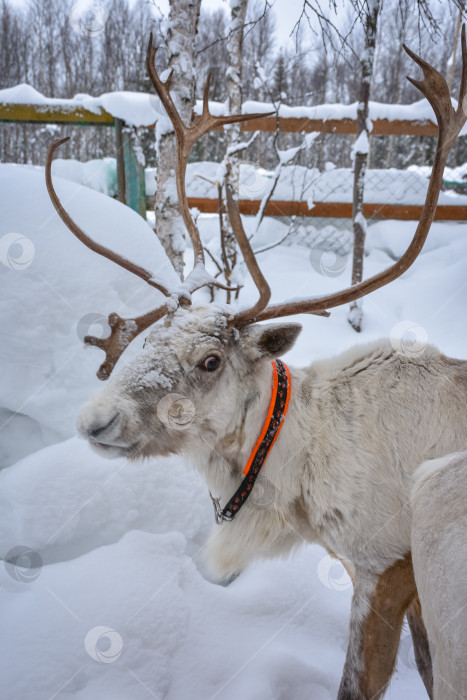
(192, 378)
(183, 379)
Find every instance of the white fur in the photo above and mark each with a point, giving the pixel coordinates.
(439, 555)
(339, 474)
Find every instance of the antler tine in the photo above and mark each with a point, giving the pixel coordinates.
(123, 331)
(433, 86)
(461, 104)
(163, 89)
(250, 260)
(83, 237)
(435, 89)
(207, 85)
(187, 136)
(450, 122)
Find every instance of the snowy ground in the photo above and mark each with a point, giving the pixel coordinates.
(121, 607)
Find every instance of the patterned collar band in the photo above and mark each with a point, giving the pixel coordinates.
(281, 386)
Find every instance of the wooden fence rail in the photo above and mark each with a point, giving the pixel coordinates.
(79, 116)
(335, 210)
(52, 114)
(131, 185)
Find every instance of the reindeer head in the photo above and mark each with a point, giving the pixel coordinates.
(197, 367)
(189, 381)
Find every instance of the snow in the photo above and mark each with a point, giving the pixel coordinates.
(122, 606)
(458, 173)
(360, 219)
(288, 155)
(63, 291)
(121, 551)
(361, 145)
(100, 175)
(136, 108)
(144, 109)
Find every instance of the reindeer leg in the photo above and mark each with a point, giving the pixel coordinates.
(420, 644)
(377, 614)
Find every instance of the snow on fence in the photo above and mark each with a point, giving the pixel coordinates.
(391, 193)
(24, 103)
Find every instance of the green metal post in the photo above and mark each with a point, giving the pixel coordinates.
(130, 171)
(120, 161)
(135, 186)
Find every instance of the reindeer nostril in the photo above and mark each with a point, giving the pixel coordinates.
(103, 428)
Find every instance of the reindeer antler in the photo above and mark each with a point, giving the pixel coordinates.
(187, 136)
(83, 237)
(450, 122)
(123, 331)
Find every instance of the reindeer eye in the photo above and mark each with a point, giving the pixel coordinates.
(211, 363)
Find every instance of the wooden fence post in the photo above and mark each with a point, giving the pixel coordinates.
(120, 161)
(130, 169)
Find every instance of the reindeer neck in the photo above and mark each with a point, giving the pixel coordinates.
(221, 459)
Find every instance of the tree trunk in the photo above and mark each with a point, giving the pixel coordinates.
(183, 22)
(360, 153)
(452, 64)
(234, 91)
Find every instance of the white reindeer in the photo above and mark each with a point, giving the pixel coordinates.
(439, 553)
(357, 425)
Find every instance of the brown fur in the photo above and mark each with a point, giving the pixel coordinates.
(395, 591)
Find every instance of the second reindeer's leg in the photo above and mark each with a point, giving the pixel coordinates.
(378, 607)
(421, 645)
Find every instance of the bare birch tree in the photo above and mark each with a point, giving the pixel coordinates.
(365, 17)
(183, 23)
(369, 18)
(238, 9)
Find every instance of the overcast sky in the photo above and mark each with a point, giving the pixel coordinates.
(286, 12)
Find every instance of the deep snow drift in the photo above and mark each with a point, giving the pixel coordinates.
(122, 606)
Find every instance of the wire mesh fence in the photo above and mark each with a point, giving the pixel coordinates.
(327, 234)
(311, 195)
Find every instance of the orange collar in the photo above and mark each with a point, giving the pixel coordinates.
(278, 405)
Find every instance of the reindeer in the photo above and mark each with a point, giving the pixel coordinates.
(339, 463)
(439, 551)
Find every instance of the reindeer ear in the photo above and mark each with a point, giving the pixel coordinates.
(269, 341)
